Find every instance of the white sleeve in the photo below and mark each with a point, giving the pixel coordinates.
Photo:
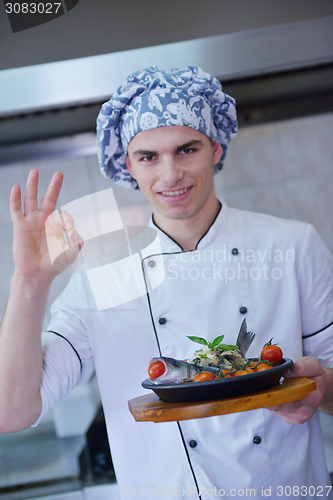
(315, 273)
(67, 358)
(320, 345)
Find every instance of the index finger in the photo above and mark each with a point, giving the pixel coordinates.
(50, 198)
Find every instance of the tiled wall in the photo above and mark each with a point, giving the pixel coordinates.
(284, 169)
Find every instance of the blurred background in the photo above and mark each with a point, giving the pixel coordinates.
(275, 58)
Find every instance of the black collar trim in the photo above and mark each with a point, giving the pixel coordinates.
(196, 247)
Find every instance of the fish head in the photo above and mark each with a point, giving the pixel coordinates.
(163, 370)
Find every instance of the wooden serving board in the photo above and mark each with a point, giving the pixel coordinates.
(150, 408)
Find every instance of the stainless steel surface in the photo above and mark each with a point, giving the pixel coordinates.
(62, 148)
(229, 56)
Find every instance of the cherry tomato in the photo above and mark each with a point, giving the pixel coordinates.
(242, 372)
(263, 366)
(156, 369)
(203, 376)
(271, 353)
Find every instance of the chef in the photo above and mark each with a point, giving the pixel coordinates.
(204, 268)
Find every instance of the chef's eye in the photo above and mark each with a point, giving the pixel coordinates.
(147, 158)
(186, 151)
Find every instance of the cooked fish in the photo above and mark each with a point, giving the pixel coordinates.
(209, 358)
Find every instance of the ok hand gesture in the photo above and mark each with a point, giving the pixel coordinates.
(38, 241)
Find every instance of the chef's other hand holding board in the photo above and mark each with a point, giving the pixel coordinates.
(300, 411)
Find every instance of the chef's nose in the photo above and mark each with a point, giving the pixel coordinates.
(170, 171)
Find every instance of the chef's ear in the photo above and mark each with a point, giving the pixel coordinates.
(217, 151)
(129, 166)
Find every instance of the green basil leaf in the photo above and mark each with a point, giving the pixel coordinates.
(216, 341)
(225, 347)
(199, 340)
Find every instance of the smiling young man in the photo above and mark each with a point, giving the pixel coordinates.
(167, 133)
(174, 167)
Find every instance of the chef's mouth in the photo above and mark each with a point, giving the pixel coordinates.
(175, 192)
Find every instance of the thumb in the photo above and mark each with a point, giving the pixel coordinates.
(304, 367)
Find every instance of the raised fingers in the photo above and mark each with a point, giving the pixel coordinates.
(15, 203)
(30, 196)
(50, 198)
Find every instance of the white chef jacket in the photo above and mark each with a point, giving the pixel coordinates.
(276, 273)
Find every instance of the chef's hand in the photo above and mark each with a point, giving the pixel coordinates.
(298, 412)
(38, 239)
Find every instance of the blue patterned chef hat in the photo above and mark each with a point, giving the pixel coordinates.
(155, 98)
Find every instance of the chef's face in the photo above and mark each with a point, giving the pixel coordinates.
(173, 167)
